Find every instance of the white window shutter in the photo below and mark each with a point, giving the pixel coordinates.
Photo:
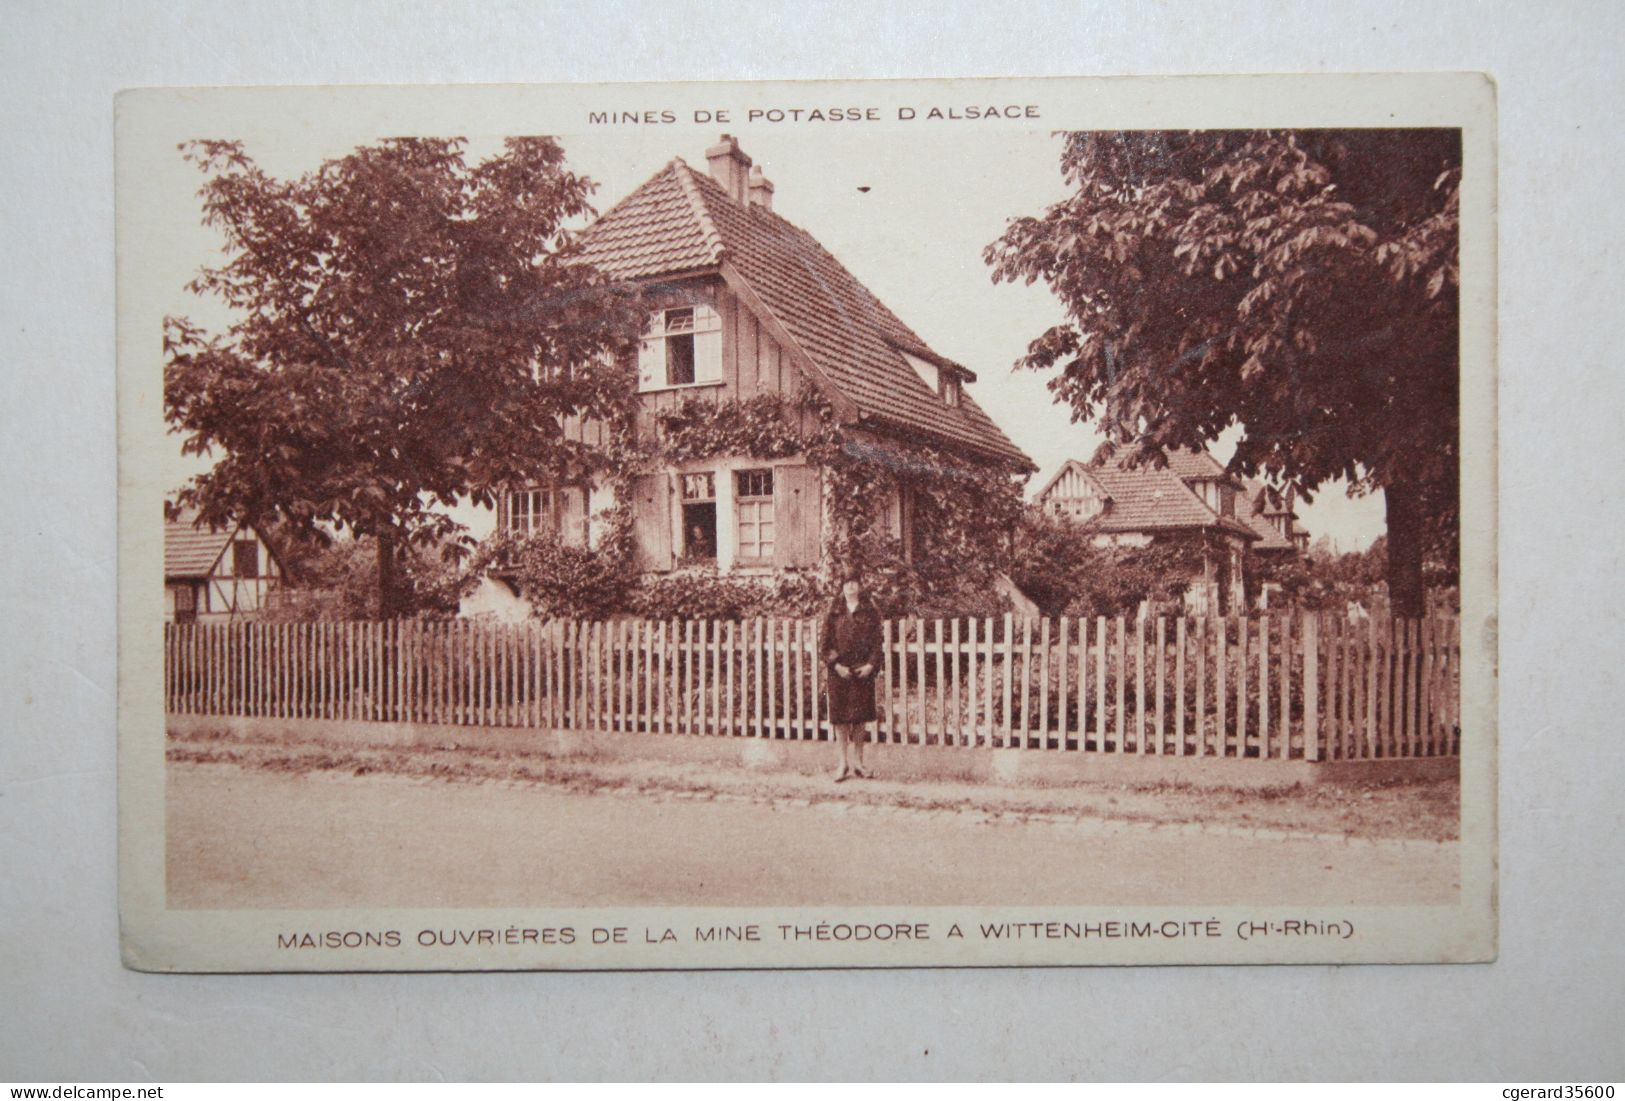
(708, 356)
(651, 365)
(707, 344)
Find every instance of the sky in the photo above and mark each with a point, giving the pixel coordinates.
(908, 213)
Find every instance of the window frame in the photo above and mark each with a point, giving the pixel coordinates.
(661, 334)
(752, 505)
(678, 338)
(542, 521)
(237, 545)
(706, 480)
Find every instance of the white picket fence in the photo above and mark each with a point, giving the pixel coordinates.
(1261, 687)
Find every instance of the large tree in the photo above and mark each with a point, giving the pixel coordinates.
(1302, 284)
(408, 330)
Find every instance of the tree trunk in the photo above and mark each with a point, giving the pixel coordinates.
(389, 577)
(1406, 596)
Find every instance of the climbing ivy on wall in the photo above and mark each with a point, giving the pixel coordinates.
(965, 515)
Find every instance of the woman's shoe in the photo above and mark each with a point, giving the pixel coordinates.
(842, 776)
(861, 773)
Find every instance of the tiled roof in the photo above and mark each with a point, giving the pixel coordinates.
(1261, 503)
(656, 230)
(1184, 463)
(1268, 538)
(1155, 500)
(681, 220)
(191, 551)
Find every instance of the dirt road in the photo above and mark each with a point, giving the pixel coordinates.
(245, 837)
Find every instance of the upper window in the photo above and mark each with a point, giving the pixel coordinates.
(753, 491)
(679, 347)
(684, 348)
(529, 511)
(245, 558)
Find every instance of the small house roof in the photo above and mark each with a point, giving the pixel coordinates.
(1147, 499)
(1262, 503)
(1269, 538)
(1187, 463)
(682, 222)
(191, 550)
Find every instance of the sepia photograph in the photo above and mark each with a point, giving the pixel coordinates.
(806, 526)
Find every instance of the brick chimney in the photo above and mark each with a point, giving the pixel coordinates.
(730, 167)
(761, 189)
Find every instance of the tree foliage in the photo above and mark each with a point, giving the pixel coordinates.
(558, 580)
(337, 579)
(409, 330)
(1303, 284)
(1057, 564)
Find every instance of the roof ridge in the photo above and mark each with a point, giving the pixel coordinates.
(809, 239)
(683, 220)
(696, 203)
(599, 219)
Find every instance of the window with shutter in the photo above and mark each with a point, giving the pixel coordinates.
(683, 348)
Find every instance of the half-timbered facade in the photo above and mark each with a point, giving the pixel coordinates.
(745, 304)
(217, 575)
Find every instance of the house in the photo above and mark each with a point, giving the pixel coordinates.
(750, 307)
(1192, 500)
(216, 575)
(1270, 512)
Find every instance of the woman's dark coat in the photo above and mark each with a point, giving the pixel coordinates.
(851, 639)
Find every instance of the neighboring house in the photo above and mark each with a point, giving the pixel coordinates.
(1191, 500)
(1270, 513)
(749, 305)
(216, 575)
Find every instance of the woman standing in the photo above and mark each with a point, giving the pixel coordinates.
(852, 656)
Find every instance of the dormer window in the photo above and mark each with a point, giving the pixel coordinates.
(683, 348)
(944, 382)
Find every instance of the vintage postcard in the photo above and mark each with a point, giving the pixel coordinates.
(850, 524)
